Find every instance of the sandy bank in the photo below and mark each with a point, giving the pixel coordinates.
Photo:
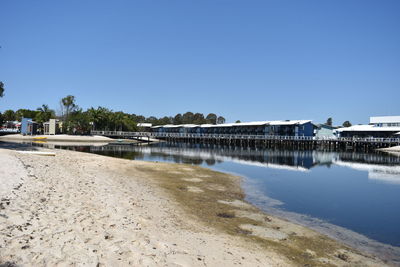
(60, 137)
(78, 208)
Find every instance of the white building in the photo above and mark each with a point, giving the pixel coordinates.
(383, 126)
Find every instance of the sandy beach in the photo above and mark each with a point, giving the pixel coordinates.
(83, 209)
(56, 138)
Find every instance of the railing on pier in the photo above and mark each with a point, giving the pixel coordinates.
(244, 137)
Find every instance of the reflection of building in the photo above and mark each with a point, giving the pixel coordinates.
(380, 172)
(28, 126)
(386, 126)
(51, 127)
(276, 128)
(295, 160)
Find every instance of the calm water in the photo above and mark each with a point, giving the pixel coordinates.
(330, 191)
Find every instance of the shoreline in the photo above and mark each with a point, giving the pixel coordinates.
(50, 141)
(207, 204)
(59, 137)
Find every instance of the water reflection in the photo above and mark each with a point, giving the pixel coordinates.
(380, 166)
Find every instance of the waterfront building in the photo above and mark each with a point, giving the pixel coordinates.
(384, 126)
(324, 131)
(277, 128)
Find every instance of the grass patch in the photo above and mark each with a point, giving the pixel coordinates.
(205, 207)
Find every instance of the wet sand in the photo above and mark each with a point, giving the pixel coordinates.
(85, 209)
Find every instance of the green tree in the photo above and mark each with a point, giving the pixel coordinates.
(138, 118)
(9, 115)
(153, 120)
(211, 118)
(187, 118)
(1, 119)
(1, 89)
(238, 121)
(329, 122)
(25, 113)
(130, 124)
(100, 117)
(165, 120)
(220, 120)
(178, 119)
(346, 124)
(118, 120)
(44, 114)
(68, 105)
(78, 122)
(198, 118)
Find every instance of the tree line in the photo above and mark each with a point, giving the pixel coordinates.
(75, 120)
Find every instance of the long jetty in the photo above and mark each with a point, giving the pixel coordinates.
(262, 141)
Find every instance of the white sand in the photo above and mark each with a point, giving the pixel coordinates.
(84, 209)
(12, 173)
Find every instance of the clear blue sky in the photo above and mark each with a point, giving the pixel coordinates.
(247, 60)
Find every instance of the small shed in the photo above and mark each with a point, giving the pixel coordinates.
(51, 127)
(28, 126)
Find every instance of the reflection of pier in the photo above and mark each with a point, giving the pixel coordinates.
(370, 158)
(289, 159)
(262, 141)
(298, 160)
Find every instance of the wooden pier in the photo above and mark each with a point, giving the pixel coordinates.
(262, 141)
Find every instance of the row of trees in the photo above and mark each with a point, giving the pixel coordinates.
(77, 120)
(40, 115)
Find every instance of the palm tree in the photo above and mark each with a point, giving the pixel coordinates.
(44, 113)
(118, 120)
(68, 103)
(100, 117)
